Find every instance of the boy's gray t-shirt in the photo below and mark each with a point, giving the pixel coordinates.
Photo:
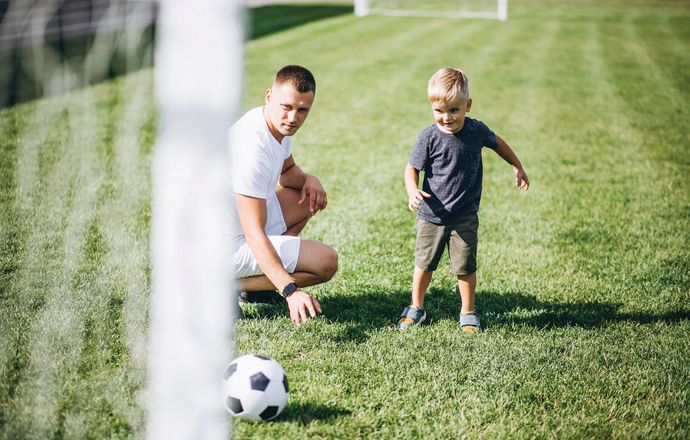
(452, 165)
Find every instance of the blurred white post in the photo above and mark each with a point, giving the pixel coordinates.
(361, 7)
(503, 10)
(198, 68)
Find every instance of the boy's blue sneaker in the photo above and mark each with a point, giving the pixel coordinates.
(411, 316)
(470, 322)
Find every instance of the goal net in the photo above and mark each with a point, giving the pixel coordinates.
(489, 9)
(77, 121)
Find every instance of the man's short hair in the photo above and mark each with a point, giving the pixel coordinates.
(447, 85)
(297, 76)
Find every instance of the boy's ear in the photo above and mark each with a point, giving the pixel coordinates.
(267, 95)
(468, 105)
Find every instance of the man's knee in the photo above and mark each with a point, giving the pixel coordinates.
(329, 263)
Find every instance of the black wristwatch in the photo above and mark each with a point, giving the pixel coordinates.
(289, 290)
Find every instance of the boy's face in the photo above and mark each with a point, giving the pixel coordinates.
(450, 116)
(286, 109)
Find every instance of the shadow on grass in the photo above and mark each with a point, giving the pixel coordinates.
(265, 20)
(305, 413)
(374, 310)
(522, 309)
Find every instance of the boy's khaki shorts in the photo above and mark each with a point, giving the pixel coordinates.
(459, 237)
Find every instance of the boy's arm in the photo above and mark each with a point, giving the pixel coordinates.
(507, 154)
(414, 194)
(293, 177)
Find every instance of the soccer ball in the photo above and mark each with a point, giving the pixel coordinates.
(255, 388)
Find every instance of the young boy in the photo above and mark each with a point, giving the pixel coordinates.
(449, 153)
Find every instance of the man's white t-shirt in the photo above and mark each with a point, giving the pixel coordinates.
(257, 160)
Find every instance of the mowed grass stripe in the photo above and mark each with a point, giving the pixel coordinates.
(99, 282)
(665, 263)
(11, 246)
(619, 151)
(124, 212)
(116, 323)
(84, 289)
(661, 48)
(667, 45)
(663, 133)
(57, 336)
(124, 216)
(610, 143)
(655, 72)
(570, 198)
(511, 232)
(38, 256)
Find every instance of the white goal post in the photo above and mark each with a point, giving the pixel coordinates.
(198, 70)
(489, 9)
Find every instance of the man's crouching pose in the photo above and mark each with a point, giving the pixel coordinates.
(270, 255)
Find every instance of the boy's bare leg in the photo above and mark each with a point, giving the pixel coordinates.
(467, 285)
(420, 283)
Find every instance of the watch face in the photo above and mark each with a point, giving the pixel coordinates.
(289, 289)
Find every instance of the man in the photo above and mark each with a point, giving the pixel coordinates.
(270, 255)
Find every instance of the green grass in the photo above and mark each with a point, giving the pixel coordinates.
(584, 281)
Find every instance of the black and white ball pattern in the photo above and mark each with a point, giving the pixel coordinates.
(255, 388)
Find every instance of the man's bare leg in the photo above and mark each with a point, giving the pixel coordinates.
(316, 264)
(296, 215)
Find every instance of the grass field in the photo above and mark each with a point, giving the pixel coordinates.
(584, 281)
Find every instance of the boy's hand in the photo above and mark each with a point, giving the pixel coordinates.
(302, 306)
(414, 197)
(521, 180)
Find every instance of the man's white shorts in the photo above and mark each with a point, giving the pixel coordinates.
(287, 246)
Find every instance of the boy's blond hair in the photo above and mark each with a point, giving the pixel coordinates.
(447, 85)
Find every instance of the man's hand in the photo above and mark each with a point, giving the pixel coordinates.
(414, 197)
(302, 306)
(317, 195)
(521, 180)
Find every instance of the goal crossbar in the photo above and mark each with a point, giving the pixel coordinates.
(364, 7)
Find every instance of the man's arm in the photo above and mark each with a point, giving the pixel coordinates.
(252, 214)
(507, 154)
(293, 177)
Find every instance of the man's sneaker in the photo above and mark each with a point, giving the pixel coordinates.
(411, 316)
(470, 322)
(261, 296)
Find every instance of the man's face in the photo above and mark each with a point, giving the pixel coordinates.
(450, 116)
(286, 109)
